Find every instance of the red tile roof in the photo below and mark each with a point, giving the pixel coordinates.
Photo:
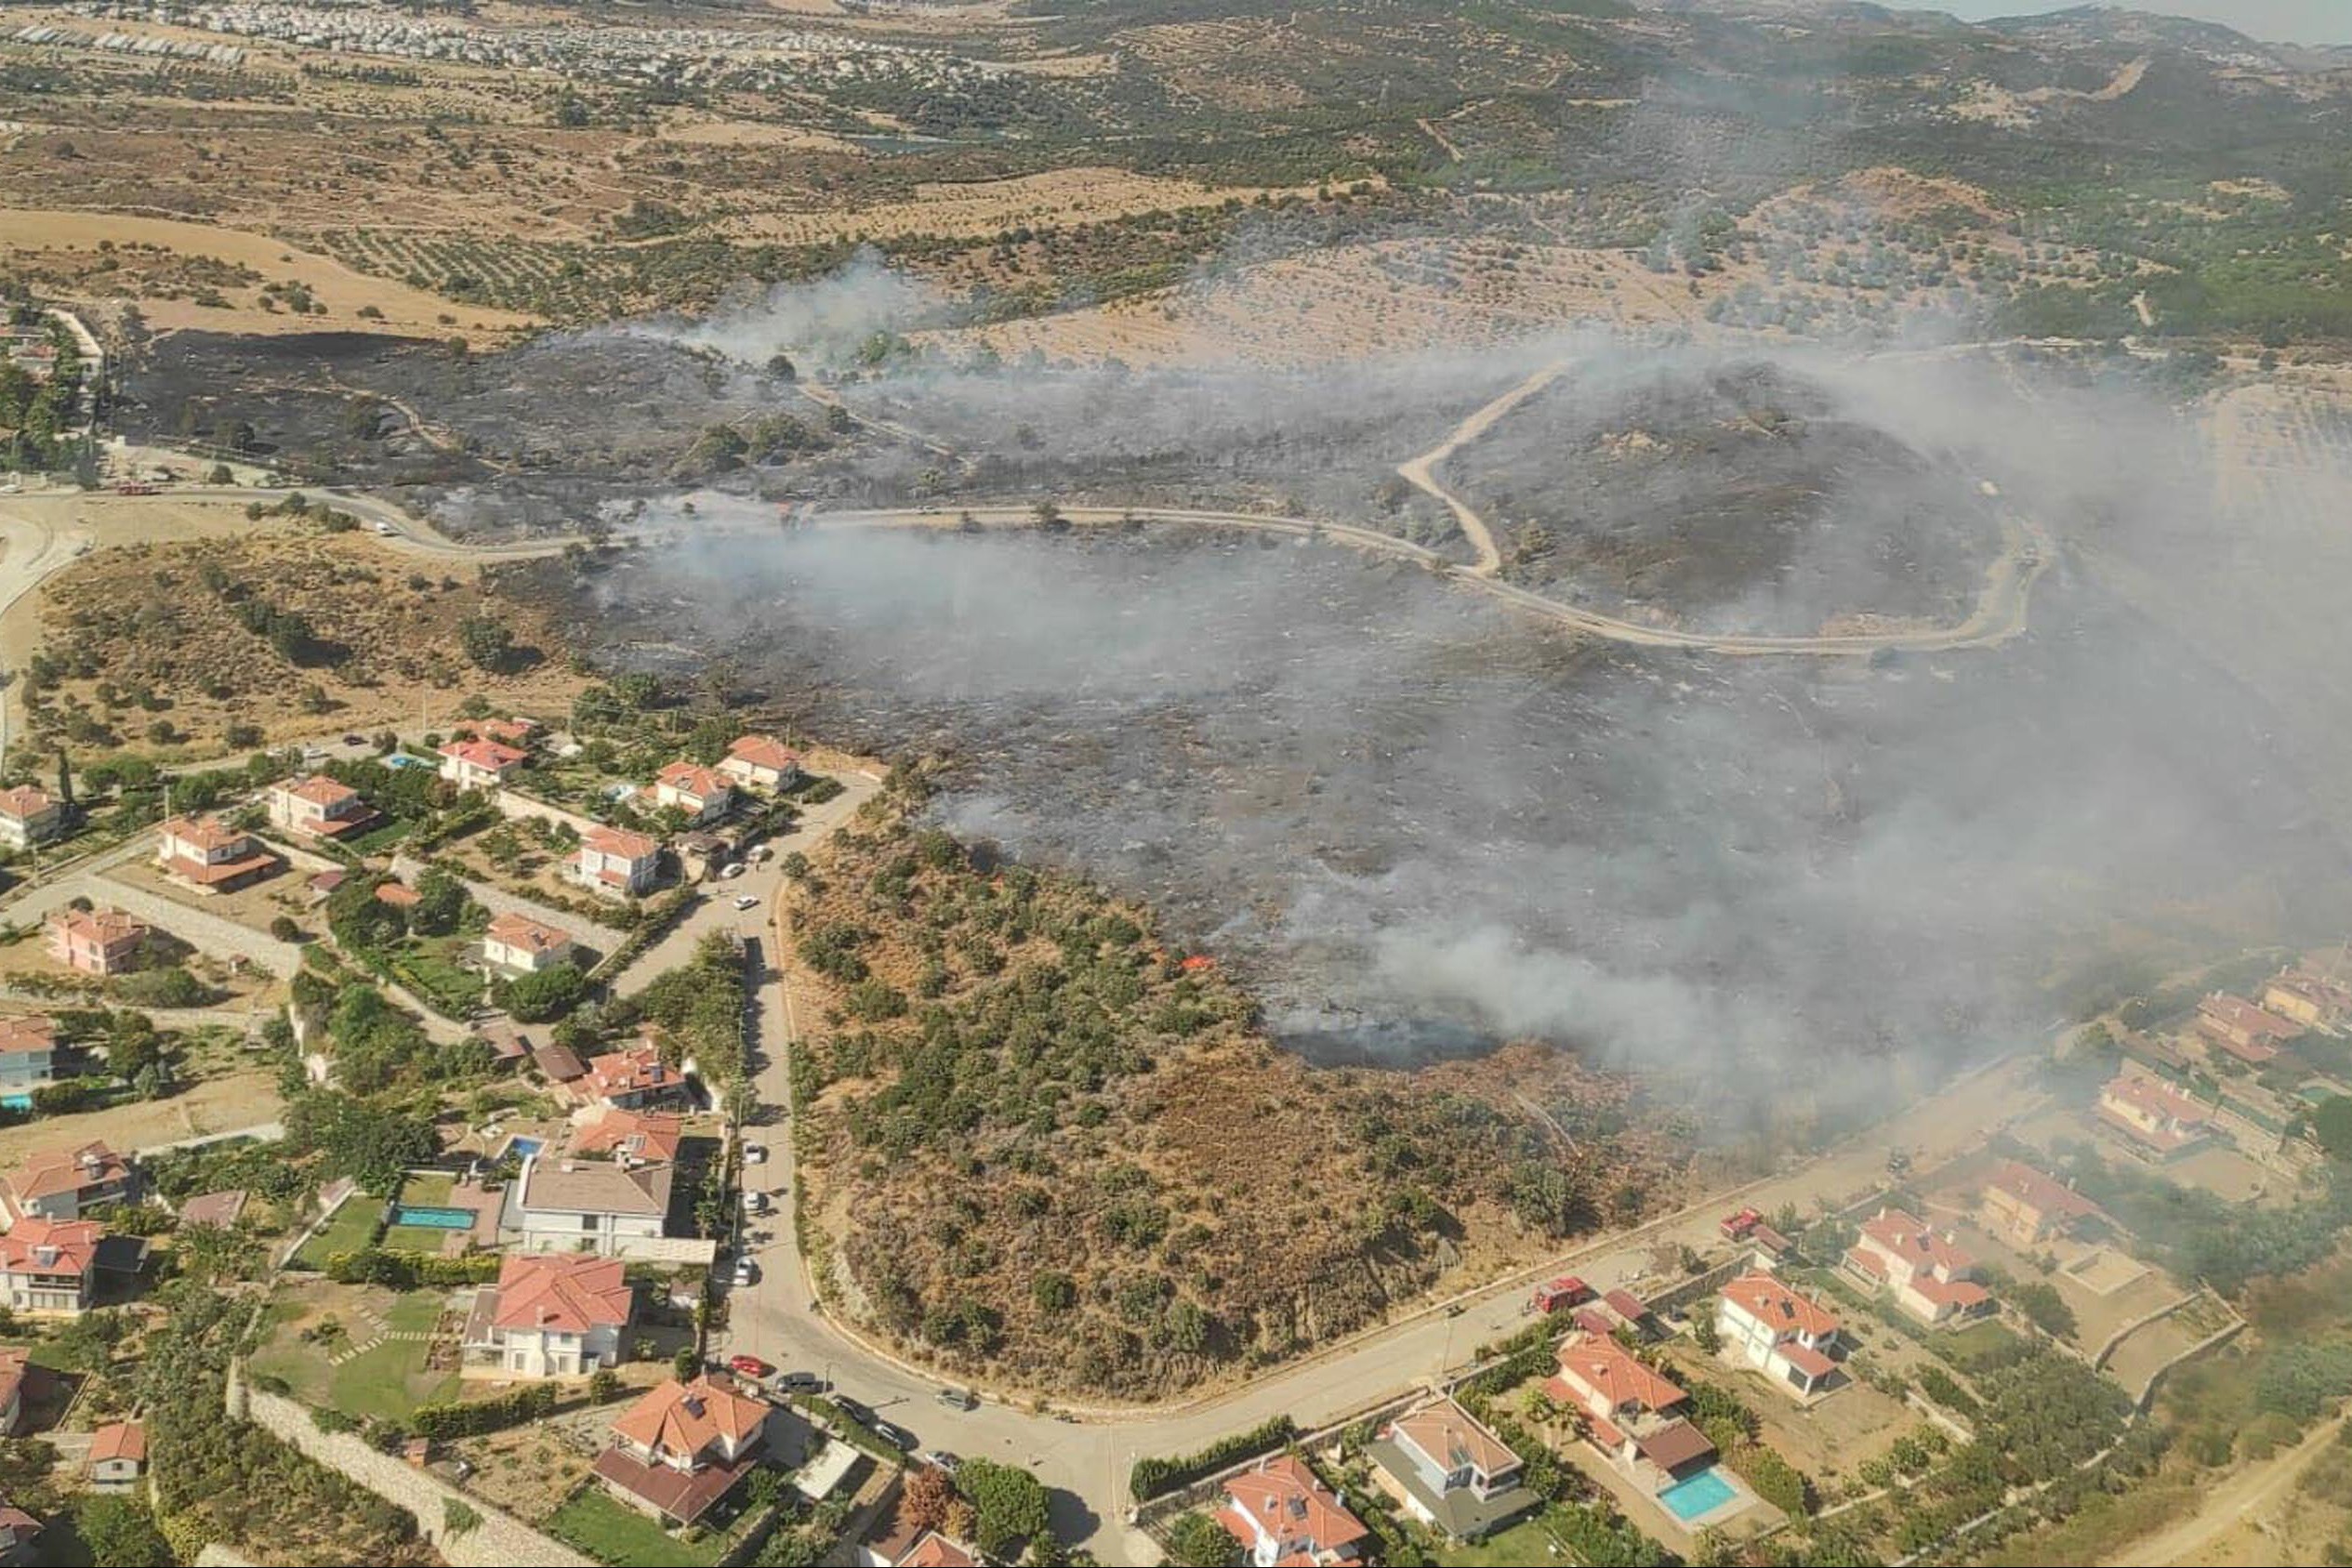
(2045, 1196)
(119, 1440)
(34, 1033)
(521, 931)
(1608, 1368)
(562, 1292)
(1806, 1359)
(1452, 1436)
(320, 790)
(1778, 1307)
(694, 778)
(634, 1133)
(1909, 1237)
(686, 1419)
(631, 1072)
(935, 1550)
(765, 751)
(487, 755)
(47, 1173)
(208, 833)
(24, 800)
(1284, 1498)
(621, 842)
(55, 1247)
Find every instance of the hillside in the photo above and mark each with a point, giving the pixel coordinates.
(1042, 1149)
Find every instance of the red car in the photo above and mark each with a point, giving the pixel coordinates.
(751, 1368)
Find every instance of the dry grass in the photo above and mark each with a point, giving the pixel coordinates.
(144, 616)
(144, 254)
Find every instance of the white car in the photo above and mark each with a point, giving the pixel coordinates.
(746, 902)
(746, 1271)
(755, 1202)
(755, 1154)
(732, 872)
(385, 529)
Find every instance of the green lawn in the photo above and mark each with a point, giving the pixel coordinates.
(388, 1381)
(1980, 1347)
(350, 1230)
(1528, 1541)
(429, 968)
(614, 1532)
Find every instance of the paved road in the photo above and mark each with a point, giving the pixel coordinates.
(717, 910)
(1086, 1460)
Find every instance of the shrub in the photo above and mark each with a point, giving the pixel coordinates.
(1152, 1475)
(530, 1403)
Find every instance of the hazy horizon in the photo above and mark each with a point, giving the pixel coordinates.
(2286, 21)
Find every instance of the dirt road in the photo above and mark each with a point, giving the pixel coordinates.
(2231, 1503)
(1422, 472)
(2001, 614)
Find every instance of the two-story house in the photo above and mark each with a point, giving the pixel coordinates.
(31, 1053)
(66, 1183)
(209, 856)
(2253, 1034)
(1443, 1467)
(516, 945)
(563, 1204)
(2315, 998)
(617, 861)
(702, 794)
(314, 805)
(28, 815)
(683, 1447)
(2155, 1116)
(1277, 1512)
(1630, 1413)
(97, 942)
(48, 1265)
(626, 1080)
(2026, 1209)
(1929, 1275)
(479, 764)
(1787, 1336)
(550, 1314)
(762, 761)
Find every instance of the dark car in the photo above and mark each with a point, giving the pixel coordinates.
(897, 1437)
(853, 1410)
(799, 1383)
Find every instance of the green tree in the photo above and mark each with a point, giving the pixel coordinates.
(119, 1530)
(1194, 1540)
(2331, 1125)
(1011, 1503)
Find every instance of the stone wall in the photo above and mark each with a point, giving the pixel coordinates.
(499, 1541)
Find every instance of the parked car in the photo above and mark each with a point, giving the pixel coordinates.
(939, 1460)
(755, 1202)
(897, 1437)
(960, 1399)
(731, 873)
(749, 1366)
(799, 1383)
(746, 1271)
(746, 901)
(856, 1410)
(755, 1154)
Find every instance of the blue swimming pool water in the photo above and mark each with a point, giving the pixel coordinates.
(1701, 1494)
(17, 1101)
(403, 759)
(434, 1219)
(524, 1148)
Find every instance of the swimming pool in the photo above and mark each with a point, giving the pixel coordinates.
(524, 1148)
(434, 1219)
(1699, 1497)
(17, 1101)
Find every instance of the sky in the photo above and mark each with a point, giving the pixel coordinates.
(2295, 21)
